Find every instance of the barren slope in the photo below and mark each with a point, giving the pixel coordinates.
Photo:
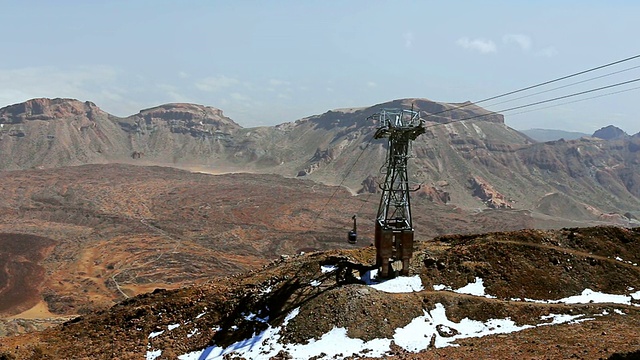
(96, 234)
(305, 297)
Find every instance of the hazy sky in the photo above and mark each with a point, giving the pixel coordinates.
(268, 62)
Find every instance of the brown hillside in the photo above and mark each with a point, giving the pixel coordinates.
(108, 232)
(336, 148)
(543, 265)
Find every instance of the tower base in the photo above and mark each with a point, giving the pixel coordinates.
(393, 245)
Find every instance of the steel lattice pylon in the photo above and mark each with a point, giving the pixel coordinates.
(394, 227)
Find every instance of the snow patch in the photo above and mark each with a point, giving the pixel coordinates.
(475, 288)
(587, 296)
(153, 355)
(254, 317)
(559, 319)
(328, 268)
(590, 296)
(255, 347)
(154, 334)
(173, 326)
(416, 336)
(193, 332)
(315, 283)
(201, 315)
(400, 284)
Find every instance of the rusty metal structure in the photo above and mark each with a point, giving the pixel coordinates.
(394, 227)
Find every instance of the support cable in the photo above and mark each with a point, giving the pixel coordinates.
(542, 101)
(537, 85)
(565, 86)
(343, 180)
(575, 101)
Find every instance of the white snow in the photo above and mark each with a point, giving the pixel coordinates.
(400, 284)
(173, 326)
(154, 334)
(587, 296)
(559, 319)
(153, 355)
(590, 296)
(267, 290)
(415, 336)
(619, 312)
(619, 258)
(328, 268)
(200, 315)
(431, 327)
(475, 288)
(315, 283)
(253, 348)
(254, 317)
(193, 332)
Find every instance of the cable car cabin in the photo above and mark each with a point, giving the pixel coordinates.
(353, 237)
(353, 234)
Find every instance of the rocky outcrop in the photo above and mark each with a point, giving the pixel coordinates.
(320, 158)
(196, 120)
(610, 133)
(47, 109)
(485, 192)
(434, 194)
(369, 185)
(57, 132)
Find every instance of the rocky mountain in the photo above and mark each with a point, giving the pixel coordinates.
(610, 132)
(468, 157)
(543, 135)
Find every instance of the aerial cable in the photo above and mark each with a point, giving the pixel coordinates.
(535, 86)
(565, 86)
(343, 180)
(575, 101)
(539, 102)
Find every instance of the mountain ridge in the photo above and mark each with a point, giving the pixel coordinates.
(464, 146)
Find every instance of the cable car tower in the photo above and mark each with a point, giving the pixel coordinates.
(394, 227)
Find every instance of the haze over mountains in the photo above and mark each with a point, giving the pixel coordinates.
(475, 163)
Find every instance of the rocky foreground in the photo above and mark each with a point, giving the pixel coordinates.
(571, 293)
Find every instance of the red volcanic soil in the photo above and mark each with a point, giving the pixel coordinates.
(21, 273)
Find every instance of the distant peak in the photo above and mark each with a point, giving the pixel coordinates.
(191, 113)
(183, 107)
(47, 109)
(610, 132)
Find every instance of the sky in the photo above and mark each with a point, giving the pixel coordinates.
(269, 62)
